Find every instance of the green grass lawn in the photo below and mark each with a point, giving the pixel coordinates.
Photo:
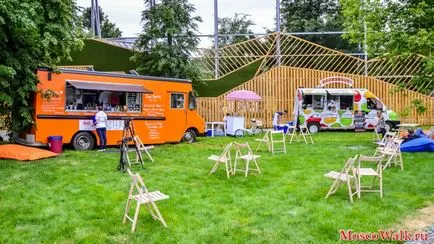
(80, 196)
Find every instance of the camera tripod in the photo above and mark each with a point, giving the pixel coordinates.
(129, 135)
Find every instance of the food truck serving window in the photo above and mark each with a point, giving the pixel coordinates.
(87, 96)
(176, 100)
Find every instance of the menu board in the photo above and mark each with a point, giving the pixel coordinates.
(359, 122)
(132, 98)
(154, 130)
(153, 105)
(54, 105)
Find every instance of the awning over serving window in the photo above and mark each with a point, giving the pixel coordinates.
(313, 91)
(105, 86)
(349, 92)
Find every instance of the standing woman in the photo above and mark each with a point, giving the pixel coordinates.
(101, 128)
(381, 124)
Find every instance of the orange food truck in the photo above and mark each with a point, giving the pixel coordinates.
(163, 109)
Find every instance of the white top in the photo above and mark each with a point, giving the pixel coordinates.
(276, 119)
(101, 119)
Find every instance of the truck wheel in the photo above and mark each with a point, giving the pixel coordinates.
(389, 126)
(83, 141)
(313, 128)
(189, 136)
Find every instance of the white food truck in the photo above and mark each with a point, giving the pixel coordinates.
(334, 108)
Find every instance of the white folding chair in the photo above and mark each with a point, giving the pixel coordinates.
(292, 131)
(247, 156)
(376, 137)
(346, 175)
(277, 137)
(304, 132)
(388, 137)
(143, 197)
(377, 173)
(265, 140)
(143, 148)
(223, 158)
(392, 151)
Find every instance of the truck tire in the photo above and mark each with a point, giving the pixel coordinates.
(83, 141)
(389, 126)
(313, 127)
(189, 136)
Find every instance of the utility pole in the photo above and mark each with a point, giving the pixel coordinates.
(216, 38)
(365, 38)
(92, 17)
(278, 32)
(95, 19)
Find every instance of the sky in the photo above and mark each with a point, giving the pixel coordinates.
(126, 14)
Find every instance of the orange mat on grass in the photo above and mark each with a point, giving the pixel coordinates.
(23, 153)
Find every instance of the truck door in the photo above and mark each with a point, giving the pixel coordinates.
(177, 116)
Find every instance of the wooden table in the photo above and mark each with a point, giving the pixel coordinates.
(213, 124)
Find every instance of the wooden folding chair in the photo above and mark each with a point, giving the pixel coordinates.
(388, 137)
(246, 157)
(376, 137)
(392, 151)
(346, 175)
(275, 140)
(304, 132)
(143, 148)
(223, 158)
(143, 197)
(291, 132)
(265, 140)
(376, 173)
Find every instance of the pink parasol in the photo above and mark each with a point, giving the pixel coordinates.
(243, 95)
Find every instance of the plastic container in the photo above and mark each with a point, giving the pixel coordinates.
(283, 127)
(55, 144)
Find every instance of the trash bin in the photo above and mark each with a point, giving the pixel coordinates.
(55, 144)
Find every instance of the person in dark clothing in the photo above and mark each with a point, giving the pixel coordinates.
(410, 136)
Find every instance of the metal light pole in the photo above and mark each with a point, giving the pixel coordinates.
(216, 38)
(92, 17)
(97, 19)
(278, 32)
(365, 39)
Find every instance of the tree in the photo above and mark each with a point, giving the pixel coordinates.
(168, 40)
(315, 16)
(239, 24)
(32, 33)
(394, 30)
(108, 29)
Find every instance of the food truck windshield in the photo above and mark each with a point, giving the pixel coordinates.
(84, 96)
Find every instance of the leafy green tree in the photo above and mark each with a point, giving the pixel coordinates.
(108, 29)
(395, 30)
(32, 33)
(168, 41)
(239, 24)
(315, 16)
